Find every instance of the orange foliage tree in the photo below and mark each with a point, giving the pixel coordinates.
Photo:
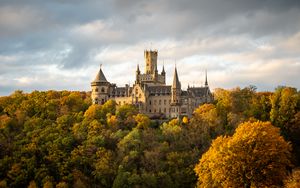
(255, 156)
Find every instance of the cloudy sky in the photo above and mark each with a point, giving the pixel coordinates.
(59, 44)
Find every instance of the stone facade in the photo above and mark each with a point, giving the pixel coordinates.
(151, 94)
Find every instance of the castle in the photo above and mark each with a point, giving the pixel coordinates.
(151, 94)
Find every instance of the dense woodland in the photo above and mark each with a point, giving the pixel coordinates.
(59, 139)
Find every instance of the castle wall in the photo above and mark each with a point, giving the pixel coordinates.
(159, 105)
(122, 100)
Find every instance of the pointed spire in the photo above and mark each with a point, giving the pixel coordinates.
(176, 83)
(138, 68)
(163, 69)
(206, 83)
(100, 76)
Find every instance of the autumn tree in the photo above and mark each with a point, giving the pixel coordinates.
(207, 114)
(293, 181)
(284, 106)
(255, 156)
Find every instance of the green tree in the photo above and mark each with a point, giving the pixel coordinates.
(284, 106)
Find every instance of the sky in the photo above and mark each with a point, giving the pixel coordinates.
(60, 44)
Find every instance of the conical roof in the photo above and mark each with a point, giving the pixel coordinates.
(206, 83)
(176, 83)
(100, 77)
(163, 69)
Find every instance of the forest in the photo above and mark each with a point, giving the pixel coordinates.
(245, 138)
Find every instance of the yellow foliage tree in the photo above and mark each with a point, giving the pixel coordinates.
(293, 181)
(255, 156)
(207, 113)
(185, 120)
(142, 120)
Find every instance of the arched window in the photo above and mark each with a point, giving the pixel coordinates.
(96, 89)
(102, 90)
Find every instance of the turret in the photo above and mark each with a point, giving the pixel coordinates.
(138, 72)
(100, 88)
(155, 73)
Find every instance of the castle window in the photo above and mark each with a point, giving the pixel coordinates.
(96, 89)
(102, 90)
(102, 101)
(154, 110)
(165, 110)
(159, 102)
(150, 102)
(140, 95)
(150, 110)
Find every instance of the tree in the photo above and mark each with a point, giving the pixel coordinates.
(142, 121)
(284, 106)
(255, 156)
(293, 181)
(207, 114)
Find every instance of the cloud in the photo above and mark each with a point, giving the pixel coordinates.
(60, 44)
(16, 20)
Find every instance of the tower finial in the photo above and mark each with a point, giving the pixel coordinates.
(100, 65)
(206, 83)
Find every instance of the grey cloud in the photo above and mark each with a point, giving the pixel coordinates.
(213, 34)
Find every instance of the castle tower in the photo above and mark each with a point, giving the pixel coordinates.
(175, 98)
(100, 88)
(151, 61)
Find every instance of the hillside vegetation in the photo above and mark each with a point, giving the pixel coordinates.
(59, 139)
